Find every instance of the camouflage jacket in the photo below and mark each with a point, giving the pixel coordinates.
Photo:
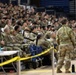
(65, 35)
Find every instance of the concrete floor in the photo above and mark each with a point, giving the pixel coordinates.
(40, 72)
(45, 70)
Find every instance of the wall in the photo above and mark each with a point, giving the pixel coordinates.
(56, 3)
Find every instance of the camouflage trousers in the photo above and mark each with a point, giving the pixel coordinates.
(74, 53)
(25, 48)
(10, 48)
(20, 48)
(64, 56)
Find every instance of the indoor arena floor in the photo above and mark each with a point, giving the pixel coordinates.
(44, 70)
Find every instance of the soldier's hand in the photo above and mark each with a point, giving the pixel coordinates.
(2, 42)
(13, 41)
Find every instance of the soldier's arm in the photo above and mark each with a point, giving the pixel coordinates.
(57, 38)
(2, 39)
(32, 37)
(19, 39)
(72, 37)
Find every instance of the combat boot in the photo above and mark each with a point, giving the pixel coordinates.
(67, 71)
(59, 71)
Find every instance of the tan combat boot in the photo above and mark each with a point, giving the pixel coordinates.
(67, 71)
(59, 71)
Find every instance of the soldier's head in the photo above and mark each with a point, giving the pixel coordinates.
(38, 28)
(74, 28)
(64, 21)
(17, 28)
(39, 36)
(6, 30)
(24, 25)
(33, 29)
(8, 22)
(48, 27)
(13, 32)
(27, 29)
(48, 35)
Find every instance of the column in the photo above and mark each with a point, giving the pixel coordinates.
(10, 1)
(19, 2)
(28, 2)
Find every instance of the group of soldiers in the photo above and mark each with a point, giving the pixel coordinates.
(19, 37)
(20, 28)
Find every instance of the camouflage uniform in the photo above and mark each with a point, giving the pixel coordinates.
(75, 45)
(66, 41)
(26, 35)
(20, 40)
(9, 43)
(1, 38)
(33, 37)
(2, 24)
(45, 44)
(48, 37)
(52, 42)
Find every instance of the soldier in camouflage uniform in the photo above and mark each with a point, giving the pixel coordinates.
(2, 23)
(9, 41)
(26, 35)
(1, 39)
(20, 39)
(48, 37)
(33, 34)
(74, 29)
(45, 44)
(66, 42)
(9, 25)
